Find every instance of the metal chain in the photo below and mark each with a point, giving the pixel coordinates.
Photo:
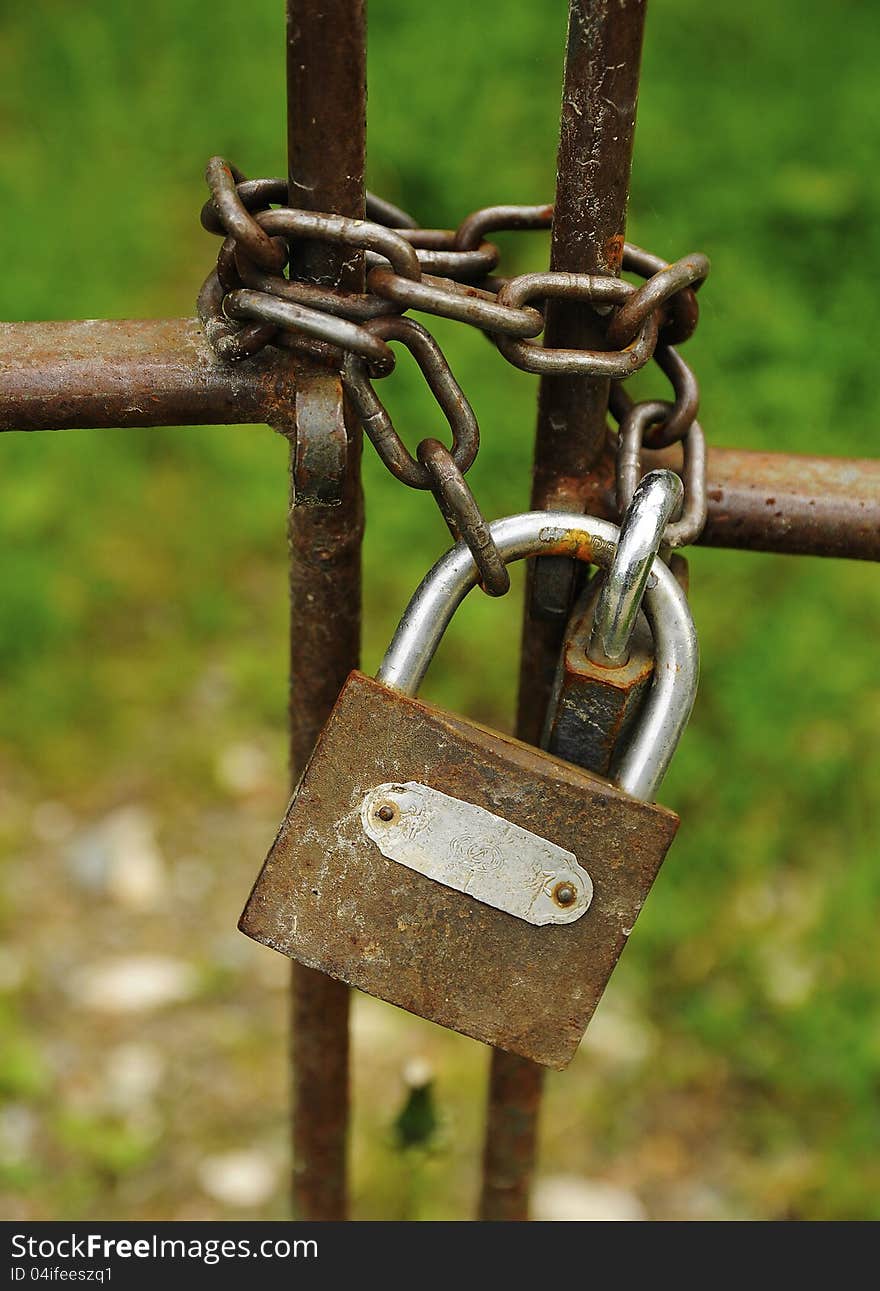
(247, 303)
(630, 438)
(376, 422)
(658, 423)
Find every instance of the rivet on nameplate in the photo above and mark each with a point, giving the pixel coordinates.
(472, 850)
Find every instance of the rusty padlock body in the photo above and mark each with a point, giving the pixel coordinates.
(329, 897)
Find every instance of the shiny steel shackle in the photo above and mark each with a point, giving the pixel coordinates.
(667, 707)
(655, 500)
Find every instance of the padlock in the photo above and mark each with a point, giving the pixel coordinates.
(607, 657)
(459, 873)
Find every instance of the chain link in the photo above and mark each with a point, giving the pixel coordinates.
(463, 517)
(679, 414)
(595, 290)
(447, 298)
(247, 302)
(374, 417)
(630, 438)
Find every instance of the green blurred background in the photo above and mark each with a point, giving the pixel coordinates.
(733, 1068)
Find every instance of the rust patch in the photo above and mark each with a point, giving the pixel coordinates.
(593, 708)
(613, 251)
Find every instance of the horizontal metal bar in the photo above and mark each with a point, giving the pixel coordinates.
(782, 502)
(163, 372)
(146, 372)
(803, 506)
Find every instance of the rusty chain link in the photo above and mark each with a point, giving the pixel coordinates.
(247, 302)
(459, 509)
(374, 418)
(617, 364)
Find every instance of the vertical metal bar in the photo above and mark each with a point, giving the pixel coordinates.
(599, 97)
(326, 106)
(597, 125)
(510, 1145)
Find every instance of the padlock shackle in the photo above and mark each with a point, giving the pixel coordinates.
(667, 706)
(623, 585)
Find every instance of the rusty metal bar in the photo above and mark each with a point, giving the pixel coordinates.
(325, 594)
(162, 372)
(326, 119)
(510, 1145)
(777, 502)
(804, 506)
(599, 96)
(150, 372)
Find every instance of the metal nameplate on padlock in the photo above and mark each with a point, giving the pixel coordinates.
(393, 925)
(474, 851)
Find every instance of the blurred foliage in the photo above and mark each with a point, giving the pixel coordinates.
(139, 567)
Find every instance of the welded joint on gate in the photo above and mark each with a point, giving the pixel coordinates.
(319, 437)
